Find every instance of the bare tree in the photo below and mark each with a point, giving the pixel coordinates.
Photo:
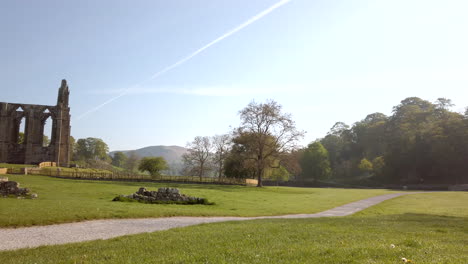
(197, 158)
(273, 133)
(221, 145)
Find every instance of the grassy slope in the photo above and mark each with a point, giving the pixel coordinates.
(64, 200)
(15, 166)
(419, 233)
(54, 169)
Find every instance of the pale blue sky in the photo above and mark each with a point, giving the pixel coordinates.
(324, 61)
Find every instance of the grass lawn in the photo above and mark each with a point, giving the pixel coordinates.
(66, 200)
(435, 234)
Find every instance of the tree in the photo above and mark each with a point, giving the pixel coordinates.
(272, 133)
(365, 166)
(132, 161)
(153, 165)
(45, 141)
(443, 103)
(290, 161)
(280, 174)
(378, 165)
(119, 159)
(420, 142)
(91, 149)
(315, 164)
(20, 138)
(221, 144)
(72, 148)
(197, 158)
(240, 162)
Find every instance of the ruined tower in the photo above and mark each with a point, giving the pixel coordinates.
(31, 149)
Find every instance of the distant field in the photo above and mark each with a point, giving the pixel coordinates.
(404, 227)
(65, 200)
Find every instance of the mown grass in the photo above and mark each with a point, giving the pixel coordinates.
(66, 200)
(421, 235)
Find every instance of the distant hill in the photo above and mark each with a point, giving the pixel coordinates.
(172, 154)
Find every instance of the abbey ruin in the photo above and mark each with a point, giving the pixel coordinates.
(31, 149)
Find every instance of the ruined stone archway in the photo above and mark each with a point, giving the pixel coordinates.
(32, 151)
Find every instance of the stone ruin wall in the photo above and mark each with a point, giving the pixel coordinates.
(32, 151)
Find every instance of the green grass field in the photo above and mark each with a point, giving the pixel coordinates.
(66, 200)
(435, 234)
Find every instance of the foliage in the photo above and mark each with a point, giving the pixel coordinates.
(153, 165)
(119, 159)
(421, 142)
(72, 149)
(314, 162)
(279, 174)
(240, 162)
(20, 138)
(365, 166)
(271, 133)
(45, 141)
(132, 161)
(378, 165)
(91, 149)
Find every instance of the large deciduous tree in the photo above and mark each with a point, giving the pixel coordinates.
(272, 133)
(91, 149)
(197, 158)
(153, 165)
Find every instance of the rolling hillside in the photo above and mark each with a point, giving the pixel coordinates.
(172, 154)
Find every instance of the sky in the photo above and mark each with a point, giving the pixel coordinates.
(151, 72)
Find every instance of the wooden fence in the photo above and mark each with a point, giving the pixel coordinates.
(47, 164)
(129, 176)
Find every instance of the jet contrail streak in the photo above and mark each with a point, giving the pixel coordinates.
(190, 56)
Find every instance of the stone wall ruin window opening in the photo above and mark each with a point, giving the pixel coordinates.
(21, 124)
(47, 128)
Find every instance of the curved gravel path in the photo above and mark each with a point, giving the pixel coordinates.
(28, 237)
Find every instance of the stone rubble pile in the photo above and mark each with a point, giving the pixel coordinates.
(163, 194)
(12, 188)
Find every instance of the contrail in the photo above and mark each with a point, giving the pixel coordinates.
(190, 56)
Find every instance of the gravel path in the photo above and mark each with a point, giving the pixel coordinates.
(28, 237)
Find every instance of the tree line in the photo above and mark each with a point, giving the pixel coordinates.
(421, 142)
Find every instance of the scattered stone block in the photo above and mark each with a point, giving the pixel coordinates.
(163, 195)
(12, 188)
